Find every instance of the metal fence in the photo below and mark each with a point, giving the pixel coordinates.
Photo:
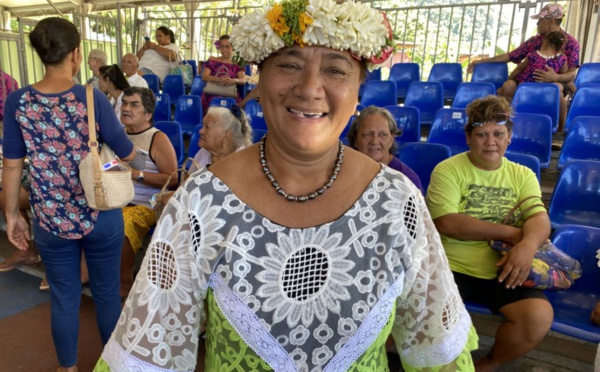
(426, 34)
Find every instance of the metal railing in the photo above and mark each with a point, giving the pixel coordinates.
(426, 34)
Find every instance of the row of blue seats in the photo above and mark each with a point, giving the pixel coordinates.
(451, 75)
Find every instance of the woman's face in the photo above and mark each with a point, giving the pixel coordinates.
(307, 95)
(225, 48)
(103, 83)
(375, 139)
(162, 39)
(94, 65)
(488, 144)
(212, 135)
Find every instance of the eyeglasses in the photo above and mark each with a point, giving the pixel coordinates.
(498, 119)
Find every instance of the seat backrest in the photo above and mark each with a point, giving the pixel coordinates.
(449, 74)
(448, 128)
(529, 161)
(379, 93)
(581, 243)
(257, 135)
(222, 102)
(427, 96)
(532, 135)
(582, 141)
(197, 86)
(491, 72)
(188, 112)
(403, 74)
(538, 98)
(373, 75)
(587, 73)
(194, 64)
(254, 111)
(153, 82)
(173, 86)
(408, 121)
(576, 199)
(193, 146)
(162, 111)
(173, 130)
(467, 92)
(585, 103)
(423, 157)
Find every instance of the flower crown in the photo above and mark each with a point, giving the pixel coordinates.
(363, 31)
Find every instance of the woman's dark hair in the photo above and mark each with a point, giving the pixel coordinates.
(363, 115)
(556, 39)
(53, 39)
(483, 108)
(224, 37)
(165, 30)
(115, 75)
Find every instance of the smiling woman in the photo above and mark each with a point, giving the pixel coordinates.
(307, 253)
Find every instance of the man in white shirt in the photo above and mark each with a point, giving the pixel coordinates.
(129, 65)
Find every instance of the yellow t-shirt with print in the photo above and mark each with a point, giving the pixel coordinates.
(457, 186)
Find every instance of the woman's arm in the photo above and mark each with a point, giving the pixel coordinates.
(17, 228)
(464, 227)
(164, 156)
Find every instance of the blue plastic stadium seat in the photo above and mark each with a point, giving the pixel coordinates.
(532, 134)
(254, 111)
(572, 308)
(585, 103)
(449, 74)
(153, 82)
(197, 86)
(372, 75)
(379, 93)
(193, 146)
(582, 141)
(222, 102)
(467, 92)
(491, 72)
(194, 64)
(448, 129)
(188, 113)
(257, 134)
(587, 73)
(403, 74)
(173, 86)
(576, 199)
(408, 121)
(423, 157)
(162, 111)
(427, 96)
(538, 98)
(529, 161)
(173, 130)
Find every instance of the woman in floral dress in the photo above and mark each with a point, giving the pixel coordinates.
(298, 253)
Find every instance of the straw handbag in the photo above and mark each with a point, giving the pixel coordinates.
(159, 200)
(103, 189)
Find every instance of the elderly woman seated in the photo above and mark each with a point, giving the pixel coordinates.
(224, 131)
(468, 197)
(373, 133)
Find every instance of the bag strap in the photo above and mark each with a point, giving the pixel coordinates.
(510, 215)
(183, 169)
(93, 144)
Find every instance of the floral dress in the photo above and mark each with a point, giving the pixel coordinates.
(323, 298)
(218, 68)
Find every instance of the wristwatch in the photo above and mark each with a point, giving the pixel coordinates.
(140, 177)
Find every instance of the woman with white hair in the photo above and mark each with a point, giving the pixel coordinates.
(224, 131)
(96, 59)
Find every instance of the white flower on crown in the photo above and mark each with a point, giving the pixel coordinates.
(351, 26)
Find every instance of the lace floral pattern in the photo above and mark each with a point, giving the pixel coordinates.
(313, 299)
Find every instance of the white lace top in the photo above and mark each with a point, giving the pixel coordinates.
(311, 299)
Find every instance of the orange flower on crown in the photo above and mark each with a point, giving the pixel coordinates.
(276, 20)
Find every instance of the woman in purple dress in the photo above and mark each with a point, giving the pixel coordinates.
(221, 70)
(373, 133)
